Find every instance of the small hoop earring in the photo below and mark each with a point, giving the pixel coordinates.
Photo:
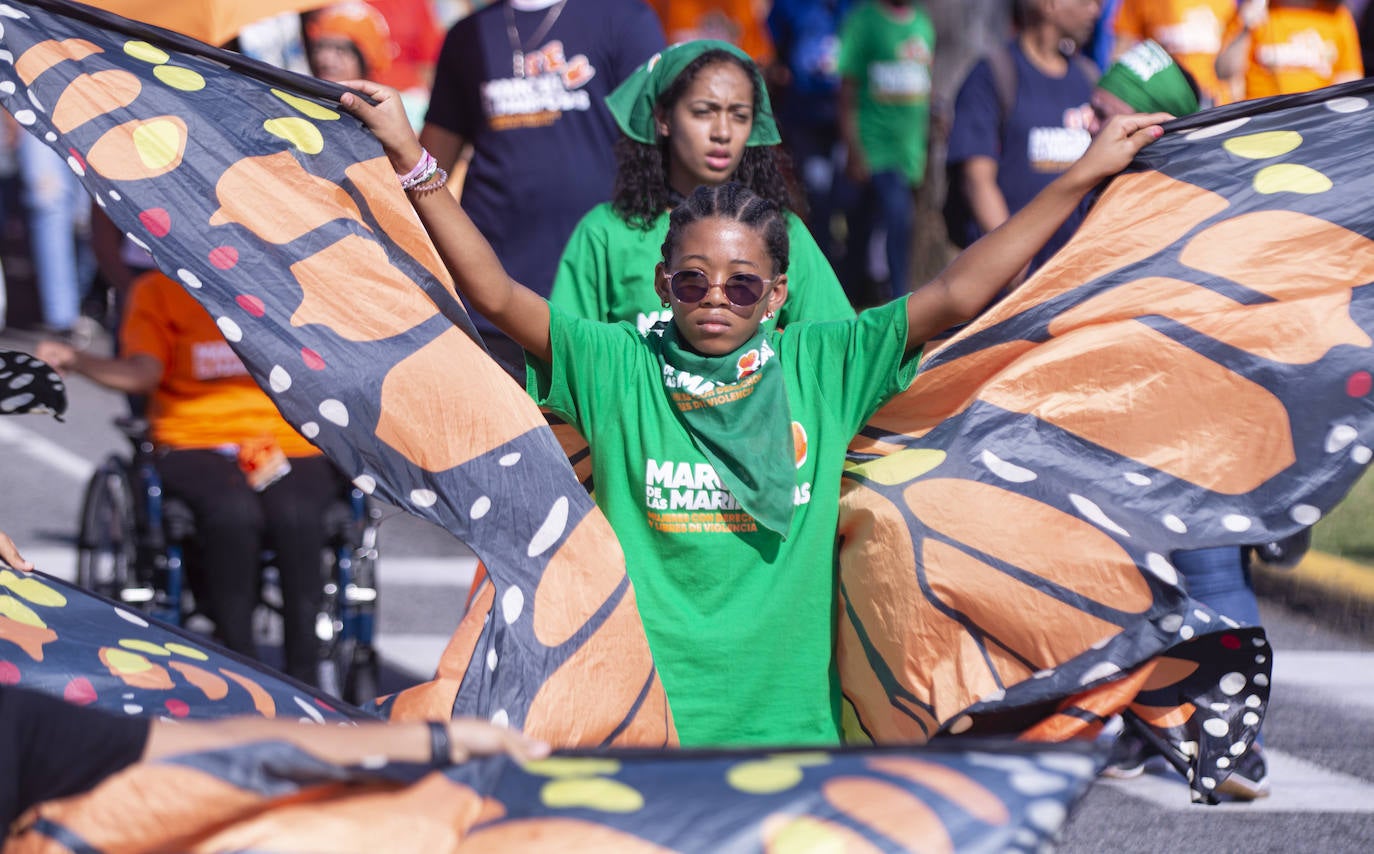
(666, 304)
(768, 316)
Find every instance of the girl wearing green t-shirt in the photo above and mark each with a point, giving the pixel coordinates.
(696, 114)
(718, 445)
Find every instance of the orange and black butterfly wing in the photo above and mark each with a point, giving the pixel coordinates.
(1192, 370)
(280, 214)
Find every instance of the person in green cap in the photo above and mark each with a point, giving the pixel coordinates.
(1144, 79)
(717, 446)
(696, 114)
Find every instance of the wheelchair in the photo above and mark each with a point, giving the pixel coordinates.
(131, 543)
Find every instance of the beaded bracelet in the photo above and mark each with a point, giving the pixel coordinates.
(431, 182)
(428, 167)
(420, 168)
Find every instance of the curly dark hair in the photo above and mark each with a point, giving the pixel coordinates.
(731, 200)
(641, 181)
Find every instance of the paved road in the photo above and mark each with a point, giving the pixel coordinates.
(1320, 732)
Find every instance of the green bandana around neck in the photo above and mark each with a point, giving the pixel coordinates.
(735, 409)
(633, 101)
(1147, 78)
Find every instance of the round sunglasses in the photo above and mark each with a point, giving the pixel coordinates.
(741, 289)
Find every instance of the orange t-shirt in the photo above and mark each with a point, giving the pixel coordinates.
(1300, 49)
(206, 399)
(1190, 30)
(739, 22)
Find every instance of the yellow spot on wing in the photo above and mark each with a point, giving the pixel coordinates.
(158, 144)
(568, 766)
(180, 78)
(144, 646)
(901, 466)
(1291, 178)
(298, 132)
(20, 613)
(764, 776)
(32, 589)
(1258, 146)
(309, 108)
(187, 651)
(147, 53)
(596, 793)
(126, 662)
(806, 834)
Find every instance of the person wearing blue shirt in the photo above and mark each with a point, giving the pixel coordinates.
(1002, 155)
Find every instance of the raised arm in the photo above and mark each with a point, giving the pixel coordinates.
(971, 280)
(513, 308)
(136, 374)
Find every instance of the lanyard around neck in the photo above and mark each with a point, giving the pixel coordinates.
(517, 47)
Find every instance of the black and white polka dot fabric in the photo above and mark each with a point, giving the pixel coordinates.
(28, 385)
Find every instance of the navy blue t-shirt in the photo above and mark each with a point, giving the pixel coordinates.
(1045, 132)
(543, 144)
(806, 36)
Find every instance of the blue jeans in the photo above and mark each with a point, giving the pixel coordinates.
(54, 201)
(1220, 578)
(886, 201)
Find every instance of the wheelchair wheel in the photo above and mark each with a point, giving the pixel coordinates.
(107, 544)
(349, 668)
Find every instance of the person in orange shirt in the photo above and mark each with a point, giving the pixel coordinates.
(249, 478)
(739, 22)
(1289, 46)
(1190, 30)
(349, 41)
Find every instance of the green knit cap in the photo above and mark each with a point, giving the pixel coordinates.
(1147, 78)
(633, 101)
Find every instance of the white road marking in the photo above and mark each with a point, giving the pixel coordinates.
(30, 444)
(418, 654)
(1345, 677)
(1296, 784)
(456, 571)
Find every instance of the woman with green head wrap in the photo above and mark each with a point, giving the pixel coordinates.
(1145, 80)
(696, 114)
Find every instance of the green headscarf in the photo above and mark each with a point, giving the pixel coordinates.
(633, 101)
(1147, 78)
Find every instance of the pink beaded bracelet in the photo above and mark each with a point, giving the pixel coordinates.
(433, 181)
(421, 172)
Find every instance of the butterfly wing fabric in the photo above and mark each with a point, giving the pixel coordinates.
(1193, 370)
(28, 385)
(67, 642)
(973, 796)
(281, 215)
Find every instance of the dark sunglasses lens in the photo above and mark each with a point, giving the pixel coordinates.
(689, 285)
(743, 289)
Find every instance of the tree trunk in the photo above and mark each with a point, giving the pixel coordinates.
(964, 30)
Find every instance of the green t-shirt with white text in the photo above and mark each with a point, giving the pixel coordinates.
(740, 621)
(607, 273)
(889, 57)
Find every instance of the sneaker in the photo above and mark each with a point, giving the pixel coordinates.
(1127, 758)
(1249, 778)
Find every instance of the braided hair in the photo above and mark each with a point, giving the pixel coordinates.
(641, 190)
(733, 201)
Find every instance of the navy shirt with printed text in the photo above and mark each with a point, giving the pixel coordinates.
(1044, 133)
(543, 144)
